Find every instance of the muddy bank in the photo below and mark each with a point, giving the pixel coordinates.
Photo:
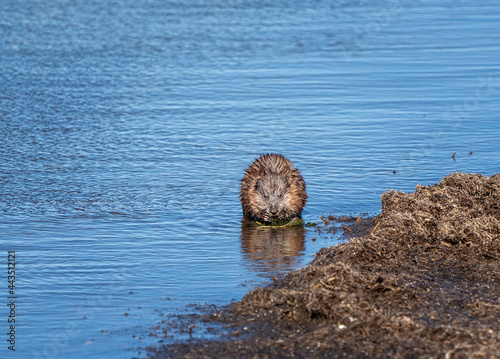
(420, 280)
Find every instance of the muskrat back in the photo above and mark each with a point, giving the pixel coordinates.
(272, 188)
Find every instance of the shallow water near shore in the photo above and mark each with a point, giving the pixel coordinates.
(126, 127)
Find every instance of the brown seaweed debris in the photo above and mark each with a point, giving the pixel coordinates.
(423, 283)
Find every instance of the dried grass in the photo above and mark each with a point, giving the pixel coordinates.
(422, 282)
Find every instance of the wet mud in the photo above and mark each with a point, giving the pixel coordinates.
(420, 280)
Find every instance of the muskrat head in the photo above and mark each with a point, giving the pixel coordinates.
(273, 198)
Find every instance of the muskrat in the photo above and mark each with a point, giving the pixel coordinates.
(272, 188)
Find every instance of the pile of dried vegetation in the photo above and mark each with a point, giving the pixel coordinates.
(422, 282)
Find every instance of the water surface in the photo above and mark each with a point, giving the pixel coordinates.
(126, 126)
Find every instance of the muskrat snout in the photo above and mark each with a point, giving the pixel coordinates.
(273, 206)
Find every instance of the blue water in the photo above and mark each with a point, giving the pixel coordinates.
(125, 127)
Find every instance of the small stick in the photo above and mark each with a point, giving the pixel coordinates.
(373, 230)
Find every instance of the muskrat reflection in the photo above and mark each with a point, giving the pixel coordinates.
(272, 250)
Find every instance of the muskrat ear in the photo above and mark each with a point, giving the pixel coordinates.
(258, 184)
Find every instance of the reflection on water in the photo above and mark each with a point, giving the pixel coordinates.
(269, 250)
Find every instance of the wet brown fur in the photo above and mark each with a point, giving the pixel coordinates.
(272, 188)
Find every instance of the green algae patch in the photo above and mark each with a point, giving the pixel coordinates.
(296, 222)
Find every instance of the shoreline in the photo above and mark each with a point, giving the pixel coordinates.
(420, 280)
